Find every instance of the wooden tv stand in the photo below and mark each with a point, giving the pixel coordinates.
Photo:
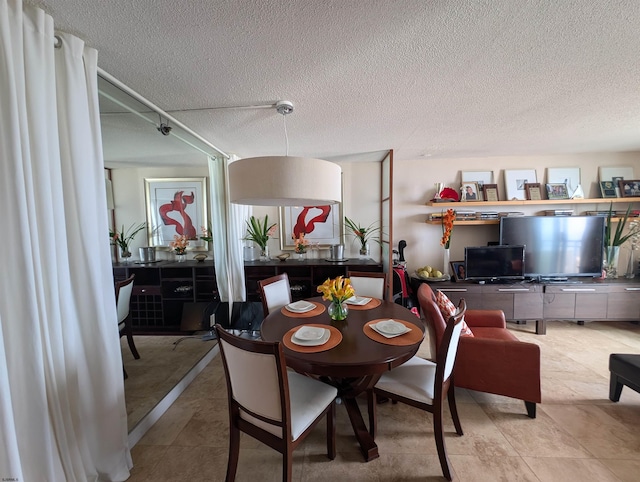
(579, 299)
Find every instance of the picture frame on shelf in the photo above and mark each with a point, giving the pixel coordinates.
(457, 270)
(629, 187)
(615, 174)
(557, 190)
(515, 179)
(481, 177)
(176, 206)
(533, 192)
(469, 191)
(567, 175)
(491, 192)
(322, 225)
(608, 189)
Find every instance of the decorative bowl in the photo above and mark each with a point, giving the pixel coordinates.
(200, 257)
(283, 256)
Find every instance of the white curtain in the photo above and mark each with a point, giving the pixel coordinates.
(228, 231)
(62, 410)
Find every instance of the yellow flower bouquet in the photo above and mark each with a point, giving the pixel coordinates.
(337, 291)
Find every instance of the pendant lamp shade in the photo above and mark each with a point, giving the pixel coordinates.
(284, 181)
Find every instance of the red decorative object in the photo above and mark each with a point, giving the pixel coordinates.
(448, 193)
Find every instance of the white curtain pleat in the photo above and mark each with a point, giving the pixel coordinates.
(228, 231)
(62, 402)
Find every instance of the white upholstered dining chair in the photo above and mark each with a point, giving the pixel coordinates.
(124, 289)
(276, 406)
(368, 284)
(275, 292)
(424, 384)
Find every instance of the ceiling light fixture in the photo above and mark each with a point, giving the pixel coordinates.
(284, 180)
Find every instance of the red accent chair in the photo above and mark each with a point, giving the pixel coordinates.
(493, 360)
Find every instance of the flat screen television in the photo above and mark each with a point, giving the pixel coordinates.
(557, 247)
(494, 263)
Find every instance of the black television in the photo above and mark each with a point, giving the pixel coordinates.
(557, 247)
(494, 263)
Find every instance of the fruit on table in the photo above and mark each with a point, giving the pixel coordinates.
(429, 272)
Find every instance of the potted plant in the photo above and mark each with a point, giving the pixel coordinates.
(260, 232)
(614, 239)
(362, 234)
(123, 238)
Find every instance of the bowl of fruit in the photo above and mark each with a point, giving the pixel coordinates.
(429, 273)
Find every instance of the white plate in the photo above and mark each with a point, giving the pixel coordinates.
(390, 328)
(358, 300)
(321, 341)
(300, 306)
(308, 333)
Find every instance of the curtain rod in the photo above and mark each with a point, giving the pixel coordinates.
(157, 109)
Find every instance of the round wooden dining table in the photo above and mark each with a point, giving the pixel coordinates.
(358, 358)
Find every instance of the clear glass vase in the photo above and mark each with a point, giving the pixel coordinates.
(125, 255)
(611, 254)
(264, 254)
(181, 257)
(301, 256)
(631, 265)
(338, 311)
(365, 251)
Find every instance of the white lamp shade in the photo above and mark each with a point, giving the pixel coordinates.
(284, 181)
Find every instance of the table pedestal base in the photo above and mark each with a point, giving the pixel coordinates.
(348, 390)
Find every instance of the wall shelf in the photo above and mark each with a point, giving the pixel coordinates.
(468, 205)
(543, 202)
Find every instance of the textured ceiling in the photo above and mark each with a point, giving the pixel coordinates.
(442, 79)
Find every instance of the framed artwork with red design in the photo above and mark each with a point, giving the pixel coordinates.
(176, 206)
(321, 225)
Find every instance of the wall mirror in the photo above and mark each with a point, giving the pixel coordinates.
(132, 143)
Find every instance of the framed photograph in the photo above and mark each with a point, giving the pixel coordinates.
(176, 206)
(470, 192)
(322, 225)
(557, 191)
(608, 189)
(615, 174)
(532, 190)
(457, 270)
(491, 192)
(629, 188)
(567, 175)
(481, 177)
(515, 179)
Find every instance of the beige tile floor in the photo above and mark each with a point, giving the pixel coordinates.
(578, 435)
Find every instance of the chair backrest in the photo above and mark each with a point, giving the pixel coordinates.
(123, 297)
(275, 292)
(370, 284)
(434, 320)
(257, 382)
(449, 345)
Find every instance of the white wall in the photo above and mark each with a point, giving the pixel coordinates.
(361, 190)
(414, 187)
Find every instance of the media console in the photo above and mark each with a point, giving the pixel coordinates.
(576, 300)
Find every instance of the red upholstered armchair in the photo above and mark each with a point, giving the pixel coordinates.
(493, 360)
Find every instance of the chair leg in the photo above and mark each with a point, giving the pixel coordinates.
(451, 395)
(132, 346)
(129, 332)
(438, 431)
(331, 431)
(287, 464)
(371, 405)
(234, 453)
(531, 409)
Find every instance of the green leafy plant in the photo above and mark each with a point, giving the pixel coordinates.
(123, 237)
(618, 238)
(259, 232)
(363, 235)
